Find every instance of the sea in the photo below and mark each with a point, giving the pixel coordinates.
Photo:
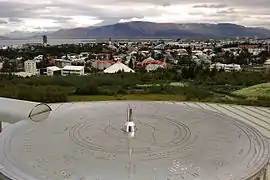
(50, 41)
(63, 41)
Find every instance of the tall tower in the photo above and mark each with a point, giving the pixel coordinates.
(45, 40)
(110, 41)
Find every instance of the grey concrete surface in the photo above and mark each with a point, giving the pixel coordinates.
(173, 141)
(258, 117)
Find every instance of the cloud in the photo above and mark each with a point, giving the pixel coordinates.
(210, 6)
(14, 20)
(38, 15)
(227, 11)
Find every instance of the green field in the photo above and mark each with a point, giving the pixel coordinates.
(231, 88)
(226, 99)
(257, 91)
(146, 97)
(176, 84)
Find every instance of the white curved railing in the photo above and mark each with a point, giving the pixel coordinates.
(12, 110)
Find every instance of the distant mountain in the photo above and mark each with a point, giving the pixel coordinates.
(148, 30)
(161, 30)
(25, 34)
(3, 38)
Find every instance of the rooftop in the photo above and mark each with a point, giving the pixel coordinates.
(73, 68)
(54, 68)
(172, 141)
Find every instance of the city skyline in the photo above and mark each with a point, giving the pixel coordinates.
(46, 15)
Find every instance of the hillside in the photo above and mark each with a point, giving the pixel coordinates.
(257, 91)
(24, 34)
(3, 38)
(161, 30)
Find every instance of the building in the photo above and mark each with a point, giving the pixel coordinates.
(1, 65)
(72, 70)
(53, 70)
(62, 63)
(118, 67)
(23, 74)
(267, 65)
(45, 39)
(154, 67)
(84, 55)
(232, 67)
(30, 66)
(150, 60)
(226, 67)
(101, 64)
(38, 58)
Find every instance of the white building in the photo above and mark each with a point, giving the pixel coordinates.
(73, 70)
(38, 58)
(52, 70)
(255, 51)
(84, 55)
(226, 67)
(232, 67)
(118, 67)
(101, 64)
(30, 66)
(267, 64)
(1, 65)
(23, 74)
(62, 62)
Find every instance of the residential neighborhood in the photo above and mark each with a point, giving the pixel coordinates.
(114, 56)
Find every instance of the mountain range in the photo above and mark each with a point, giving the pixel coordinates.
(139, 29)
(3, 38)
(24, 34)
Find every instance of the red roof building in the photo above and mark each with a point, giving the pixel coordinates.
(102, 64)
(150, 61)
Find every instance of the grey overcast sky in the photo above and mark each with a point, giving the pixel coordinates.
(46, 15)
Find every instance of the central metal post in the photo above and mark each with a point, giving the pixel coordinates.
(1, 126)
(129, 126)
(129, 115)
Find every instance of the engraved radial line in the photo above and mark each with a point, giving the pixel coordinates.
(179, 142)
(237, 114)
(257, 112)
(249, 114)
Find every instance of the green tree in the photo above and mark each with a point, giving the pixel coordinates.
(264, 55)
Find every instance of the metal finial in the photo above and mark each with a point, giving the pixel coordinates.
(129, 125)
(130, 114)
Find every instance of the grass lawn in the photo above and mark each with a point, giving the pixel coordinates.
(146, 97)
(176, 84)
(213, 98)
(260, 90)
